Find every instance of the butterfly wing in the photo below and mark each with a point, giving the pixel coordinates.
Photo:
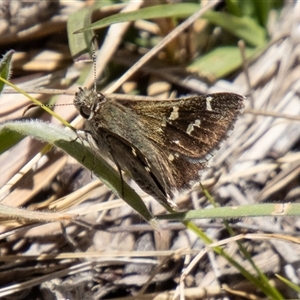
(188, 131)
(130, 159)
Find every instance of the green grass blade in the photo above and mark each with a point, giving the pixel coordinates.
(243, 211)
(157, 11)
(292, 285)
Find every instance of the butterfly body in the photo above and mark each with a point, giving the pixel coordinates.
(164, 145)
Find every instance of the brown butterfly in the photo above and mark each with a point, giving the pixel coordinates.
(164, 145)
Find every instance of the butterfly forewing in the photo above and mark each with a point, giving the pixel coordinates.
(191, 126)
(189, 131)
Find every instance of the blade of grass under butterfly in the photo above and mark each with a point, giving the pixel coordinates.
(68, 141)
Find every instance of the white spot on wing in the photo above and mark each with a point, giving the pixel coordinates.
(147, 161)
(208, 105)
(133, 152)
(171, 157)
(190, 129)
(174, 114)
(197, 123)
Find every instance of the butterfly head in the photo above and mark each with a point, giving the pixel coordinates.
(88, 102)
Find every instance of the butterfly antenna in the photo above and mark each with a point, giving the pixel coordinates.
(94, 58)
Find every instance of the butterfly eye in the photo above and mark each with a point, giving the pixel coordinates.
(85, 112)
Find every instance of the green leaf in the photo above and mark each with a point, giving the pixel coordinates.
(68, 141)
(5, 67)
(244, 27)
(220, 61)
(262, 10)
(80, 44)
(232, 7)
(9, 139)
(153, 12)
